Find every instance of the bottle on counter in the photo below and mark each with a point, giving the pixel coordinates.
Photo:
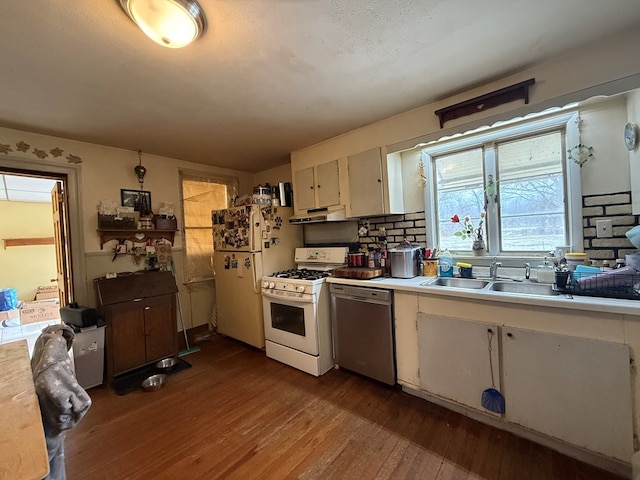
(445, 264)
(545, 272)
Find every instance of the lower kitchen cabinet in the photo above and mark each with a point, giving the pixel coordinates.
(405, 306)
(141, 322)
(454, 358)
(571, 388)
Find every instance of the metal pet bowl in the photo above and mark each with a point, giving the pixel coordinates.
(166, 364)
(154, 382)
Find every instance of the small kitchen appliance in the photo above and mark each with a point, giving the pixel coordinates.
(404, 261)
(297, 319)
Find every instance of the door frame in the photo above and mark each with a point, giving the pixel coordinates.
(75, 229)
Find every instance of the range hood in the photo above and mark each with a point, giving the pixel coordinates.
(316, 215)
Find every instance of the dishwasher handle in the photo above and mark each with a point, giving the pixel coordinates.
(364, 294)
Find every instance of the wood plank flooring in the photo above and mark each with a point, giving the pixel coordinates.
(238, 415)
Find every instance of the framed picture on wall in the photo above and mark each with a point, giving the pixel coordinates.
(138, 199)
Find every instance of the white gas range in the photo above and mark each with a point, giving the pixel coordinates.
(297, 319)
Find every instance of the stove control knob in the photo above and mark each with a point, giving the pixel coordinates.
(272, 284)
(300, 289)
(265, 284)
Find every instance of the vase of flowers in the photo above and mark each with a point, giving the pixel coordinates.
(475, 234)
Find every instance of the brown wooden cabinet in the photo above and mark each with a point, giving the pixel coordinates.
(141, 323)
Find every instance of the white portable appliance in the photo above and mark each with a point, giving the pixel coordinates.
(297, 318)
(248, 241)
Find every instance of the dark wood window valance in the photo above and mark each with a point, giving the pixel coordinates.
(518, 91)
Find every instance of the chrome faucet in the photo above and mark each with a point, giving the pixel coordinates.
(527, 271)
(493, 268)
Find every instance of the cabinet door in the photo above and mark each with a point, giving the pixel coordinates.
(365, 184)
(160, 328)
(405, 306)
(328, 184)
(454, 358)
(125, 337)
(571, 388)
(304, 194)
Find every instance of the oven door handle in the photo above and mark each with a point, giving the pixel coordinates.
(294, 299)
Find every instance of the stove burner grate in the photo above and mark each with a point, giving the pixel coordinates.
(302, 274)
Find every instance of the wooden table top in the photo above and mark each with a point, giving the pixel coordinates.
(23, 450)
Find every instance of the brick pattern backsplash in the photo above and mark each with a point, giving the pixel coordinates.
(410, 226)
(611, 206)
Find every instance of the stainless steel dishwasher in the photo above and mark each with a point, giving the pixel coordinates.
(362, 320)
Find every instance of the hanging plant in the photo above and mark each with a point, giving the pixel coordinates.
(580, 154)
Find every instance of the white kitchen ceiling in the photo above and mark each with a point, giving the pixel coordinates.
(269, 77)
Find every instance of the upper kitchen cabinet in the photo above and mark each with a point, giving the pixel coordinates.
(317, 186)
(376, 185)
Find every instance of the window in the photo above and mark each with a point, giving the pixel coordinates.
(515, 175)
(200, 195)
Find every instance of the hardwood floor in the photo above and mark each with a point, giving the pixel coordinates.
(238, 415)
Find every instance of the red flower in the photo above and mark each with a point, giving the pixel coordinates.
(455, 219)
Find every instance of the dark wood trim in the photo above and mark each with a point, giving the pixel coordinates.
(518, 91)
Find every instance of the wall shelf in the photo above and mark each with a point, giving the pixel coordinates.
(518, 91)
(134, 235)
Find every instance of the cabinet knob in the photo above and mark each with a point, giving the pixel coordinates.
(379, 181)
(510, 335)
(147, 308)
(318, 186)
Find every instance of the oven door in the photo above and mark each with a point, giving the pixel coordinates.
(290, 320)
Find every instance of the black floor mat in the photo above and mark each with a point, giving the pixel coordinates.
(131, 381)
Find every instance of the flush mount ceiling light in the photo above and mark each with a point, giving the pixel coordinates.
(171, 23)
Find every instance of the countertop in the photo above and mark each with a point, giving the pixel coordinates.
(23, 450)
(573, 302)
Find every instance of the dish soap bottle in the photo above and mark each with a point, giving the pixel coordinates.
(545, 272)
(445, 264)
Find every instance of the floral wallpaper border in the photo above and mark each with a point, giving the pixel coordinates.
(38, 152)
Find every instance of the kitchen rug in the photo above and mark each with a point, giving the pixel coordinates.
(131, 381)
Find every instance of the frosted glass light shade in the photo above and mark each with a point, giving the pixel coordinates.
(170, 23)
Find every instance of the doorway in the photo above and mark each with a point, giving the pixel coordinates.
(33, 233)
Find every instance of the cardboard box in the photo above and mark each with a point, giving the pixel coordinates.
(9, 314)
(39, 311)
(46, 293)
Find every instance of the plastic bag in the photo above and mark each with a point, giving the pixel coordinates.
(8, 299)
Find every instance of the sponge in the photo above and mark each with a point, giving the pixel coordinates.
(463, 265)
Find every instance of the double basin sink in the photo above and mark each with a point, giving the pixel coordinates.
(506, 286)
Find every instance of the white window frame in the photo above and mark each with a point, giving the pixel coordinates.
(566, 118)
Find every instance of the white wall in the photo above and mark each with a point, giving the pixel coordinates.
(567, 78)
(103, 171)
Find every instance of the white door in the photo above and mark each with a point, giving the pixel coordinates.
(365, 183)
(575, 389)
(328, 184)
(454, 359)
(238, 300)
(61, 242)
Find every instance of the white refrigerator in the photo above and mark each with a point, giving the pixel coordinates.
(249, 242)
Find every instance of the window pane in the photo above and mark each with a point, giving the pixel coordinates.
(200, 197)
(532, 207)
(459, 191)
(198, 261)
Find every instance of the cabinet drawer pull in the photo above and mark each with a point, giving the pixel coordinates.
(147, 308)
(137, 299)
